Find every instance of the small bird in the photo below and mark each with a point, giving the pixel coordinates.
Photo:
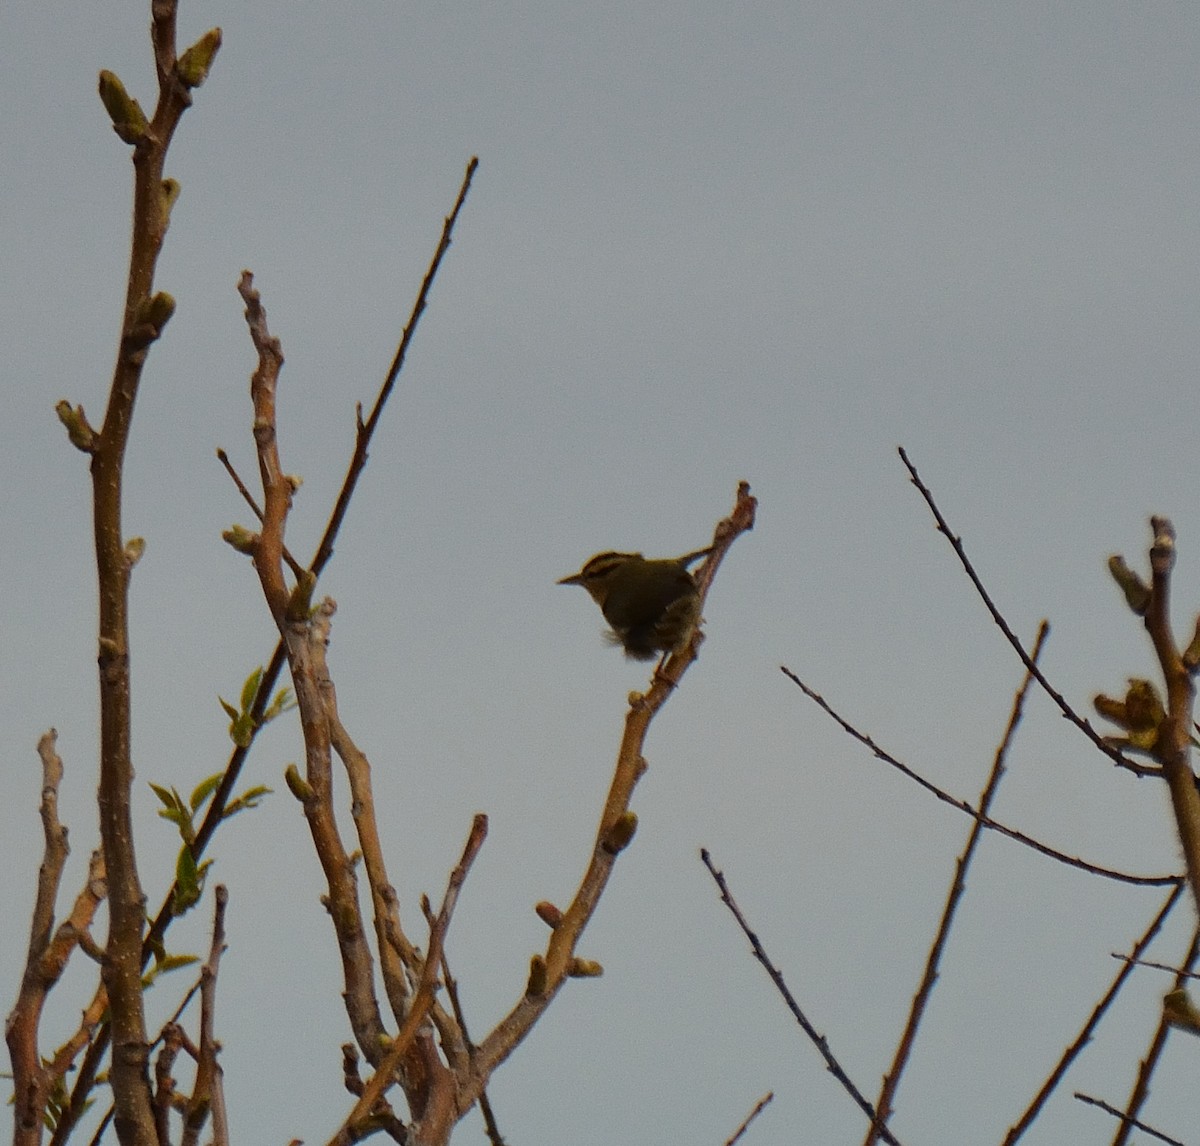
(652, 605)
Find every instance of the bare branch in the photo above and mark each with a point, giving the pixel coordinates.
(375, 1088)
(818, 1040)
(891, 1078)
(956, 544)
(30, 1081)
(965, 807)
(1174, 742)
(759, 1107)
(1093, 1021)
(208, 1091)
(1158, 1043)
(1126, 1122)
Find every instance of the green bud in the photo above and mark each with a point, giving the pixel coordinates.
(584, 969)
(618, 837)
(169, 193)
(300, 602)
(156, 311)
(81, 435)
(297, 785)
(1137, 592)
(241, 539)
(134, 548)
(128, 119)
(192, 67)
(536, 986)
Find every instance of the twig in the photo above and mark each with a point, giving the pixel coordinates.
(891, 1078)
(956, 544)
(208, 1092)
(485, 1104)
(324, 551)
(1178, 971)
(385, 1073)
(31, 1084)
(1173, 745)
(965, 807)
(1158, 1043)
(1127, 1122)
(818, 1040)
(758, 1109)
(367, 429)
(1092, 1022)
(294, 565)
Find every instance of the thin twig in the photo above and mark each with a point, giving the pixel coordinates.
(294, 565)
(1158, 1044)
(485, 1104)
(819, 1041)
(367, 429)
(324, 551)
(956, 544)
(965, 807)
(385, 1074)
(891, 1078)
(1126, 1121)
(1081, 1040)
(1178, 971)
(758, 1109)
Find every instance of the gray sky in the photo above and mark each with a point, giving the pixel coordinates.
(706, 242)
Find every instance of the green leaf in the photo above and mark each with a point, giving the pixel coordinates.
(283, 702)
(230, 711)
(205, 789)
(168, 796)
(248, 799)
(250, 688)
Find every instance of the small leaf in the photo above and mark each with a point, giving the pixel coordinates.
(205, 789)
(250, 688)
(167, 795)
(230, 711)
(251, 798)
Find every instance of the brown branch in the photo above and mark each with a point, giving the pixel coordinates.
(397, 956)
(31, 1083)
(1127, 1123)
(1174, 742)
(290, 612)
(294, 565)
(324, 552)
(891, 1078)
(366, 430)
(818, 1040)
(956, 544)
(759, 1107)
(1158, 1044)
(439, 1111)
(966, 808)
(141, 325)
(1075, 1049)
(617, 825)
(208, 1091)
(485, 1103)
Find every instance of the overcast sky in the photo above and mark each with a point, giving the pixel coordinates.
(706, 242)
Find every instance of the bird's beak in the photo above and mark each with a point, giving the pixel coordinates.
(574, 579)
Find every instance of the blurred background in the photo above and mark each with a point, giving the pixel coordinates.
(769, 241)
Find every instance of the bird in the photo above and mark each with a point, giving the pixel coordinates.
(653, 605)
